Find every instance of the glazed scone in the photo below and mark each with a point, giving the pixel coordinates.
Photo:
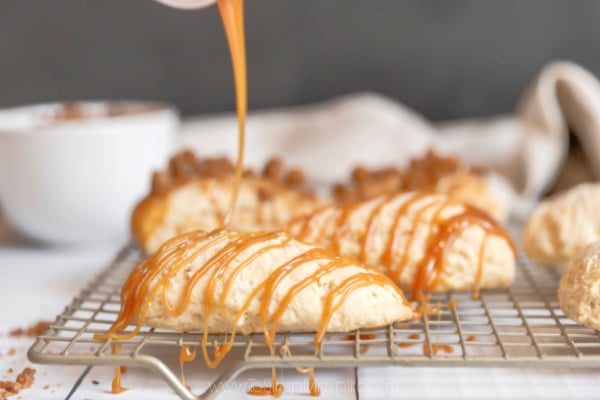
(579, 289)
(225, 281)
(562, 225)
(433, 172)
(194, 194)
(423, 241)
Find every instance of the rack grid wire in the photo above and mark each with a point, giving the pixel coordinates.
(519, 326)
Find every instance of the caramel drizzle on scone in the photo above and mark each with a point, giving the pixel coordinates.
(144, 284)
(443, 231)
(422, 173)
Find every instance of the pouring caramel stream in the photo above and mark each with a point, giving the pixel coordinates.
(232, 15)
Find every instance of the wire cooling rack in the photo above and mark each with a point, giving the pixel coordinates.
(519, 326)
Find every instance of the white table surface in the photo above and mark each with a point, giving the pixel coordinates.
(37, 282)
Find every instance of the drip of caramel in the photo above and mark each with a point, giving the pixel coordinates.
(116, 382)
(313, 388)
(185, 355)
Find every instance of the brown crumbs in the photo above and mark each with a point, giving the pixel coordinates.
(9, 386)
(46, 387)
(10, 370)
(95, 382)
(186, 166)
(31, 331)
(421, 174)
(26, 377)
(11, 352)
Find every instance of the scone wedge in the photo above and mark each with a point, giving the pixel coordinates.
(227, 282)
(579, 289)
(424, 241)
(194, 194)
(562, 225)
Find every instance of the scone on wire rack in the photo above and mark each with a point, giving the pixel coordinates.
(227, 282)
(433, 172)
(425, 242)
(579, 289)
(561, 226)
(194, 194)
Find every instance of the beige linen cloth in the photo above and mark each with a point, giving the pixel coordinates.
(526, 151)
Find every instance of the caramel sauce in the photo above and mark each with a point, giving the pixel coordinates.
(275, 390)
(425, 307)
(453, 303)
(396, 269)
(443, 231)
(361, 337)
(364, 348)
(232, 14)
(152, 276)
(312, 383)
(431, 267)
(435, 349)
(413, 336)
(187, 355)
(266, 391)
(313, 389)
(116, 382)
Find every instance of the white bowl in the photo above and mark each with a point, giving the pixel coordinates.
(71, 180)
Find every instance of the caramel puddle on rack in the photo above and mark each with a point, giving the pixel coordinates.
(364, 336)
(221, 270)
(413, 336)
(435, 349)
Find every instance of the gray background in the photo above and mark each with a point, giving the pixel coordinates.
(445, 58)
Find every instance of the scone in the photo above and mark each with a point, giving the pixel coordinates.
(194, 194)
(562, 225)
(227, 282)
(423, 241)
(432, 172)
(579, 289)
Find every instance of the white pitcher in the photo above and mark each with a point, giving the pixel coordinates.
(187, 4)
